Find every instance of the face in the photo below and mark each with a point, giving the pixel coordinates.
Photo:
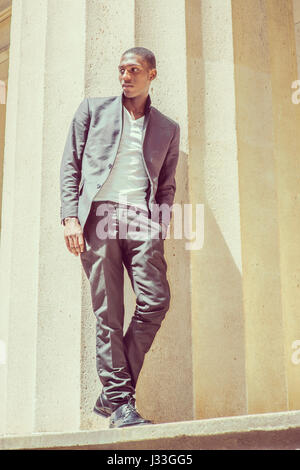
(134, 75)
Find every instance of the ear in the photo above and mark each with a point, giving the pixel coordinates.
(153, 74)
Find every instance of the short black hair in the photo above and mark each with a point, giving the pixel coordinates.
(146, 54)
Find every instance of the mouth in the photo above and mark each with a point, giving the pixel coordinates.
(127, 86)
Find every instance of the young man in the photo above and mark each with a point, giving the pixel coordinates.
(120, 157)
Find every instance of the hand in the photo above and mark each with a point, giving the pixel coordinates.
(74, 236)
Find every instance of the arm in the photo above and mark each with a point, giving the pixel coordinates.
(70, 169)
(70, 175)
(166, 182)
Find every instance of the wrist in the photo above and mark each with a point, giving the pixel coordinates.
(70, 219)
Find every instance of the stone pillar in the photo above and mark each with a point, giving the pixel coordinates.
(216, 268)
(168, 373)
(105, 22)
(286, 122)
(267, 123)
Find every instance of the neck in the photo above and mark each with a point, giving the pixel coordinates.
(135, 105)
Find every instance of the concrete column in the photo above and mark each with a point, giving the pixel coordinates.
(265, 367)
(6, 247)
(167, 373)
(216, 268)
(286, 122)
(58, 385)
(105, 22)
(267, 123)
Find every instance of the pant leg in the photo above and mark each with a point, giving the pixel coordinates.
(102, 262)
(144, 260)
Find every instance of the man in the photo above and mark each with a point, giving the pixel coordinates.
(121, 148)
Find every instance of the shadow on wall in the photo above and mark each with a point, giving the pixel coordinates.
(5, 4)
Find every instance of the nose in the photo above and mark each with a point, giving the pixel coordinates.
(126, 75)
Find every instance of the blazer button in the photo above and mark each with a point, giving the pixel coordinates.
(98, 186)
(110, 165)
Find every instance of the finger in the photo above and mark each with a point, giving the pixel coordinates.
(76, 244)
(75, 247)
(81, 243)
(68, 244)
(72, 240)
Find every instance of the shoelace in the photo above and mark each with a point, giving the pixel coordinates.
(130, 407)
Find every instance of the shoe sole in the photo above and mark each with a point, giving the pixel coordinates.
(127, 425)
(101, 412)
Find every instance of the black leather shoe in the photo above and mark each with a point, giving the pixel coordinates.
(102, 407)
(127, 415)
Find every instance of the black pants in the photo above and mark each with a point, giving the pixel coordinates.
(119, 357)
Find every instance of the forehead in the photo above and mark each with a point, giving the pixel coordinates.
(132, 59)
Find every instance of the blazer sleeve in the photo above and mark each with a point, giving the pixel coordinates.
(166, 181)
(70, 168)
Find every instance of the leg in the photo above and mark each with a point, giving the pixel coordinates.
(102, 262)
(147, 268)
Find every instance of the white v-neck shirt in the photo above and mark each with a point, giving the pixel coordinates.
(128, 179)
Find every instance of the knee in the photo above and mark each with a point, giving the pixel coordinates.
(165, 301)
(155, 302)
(160, 304)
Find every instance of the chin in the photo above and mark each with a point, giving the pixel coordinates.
(127, 91)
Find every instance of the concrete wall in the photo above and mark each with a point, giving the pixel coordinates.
(226, 344)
